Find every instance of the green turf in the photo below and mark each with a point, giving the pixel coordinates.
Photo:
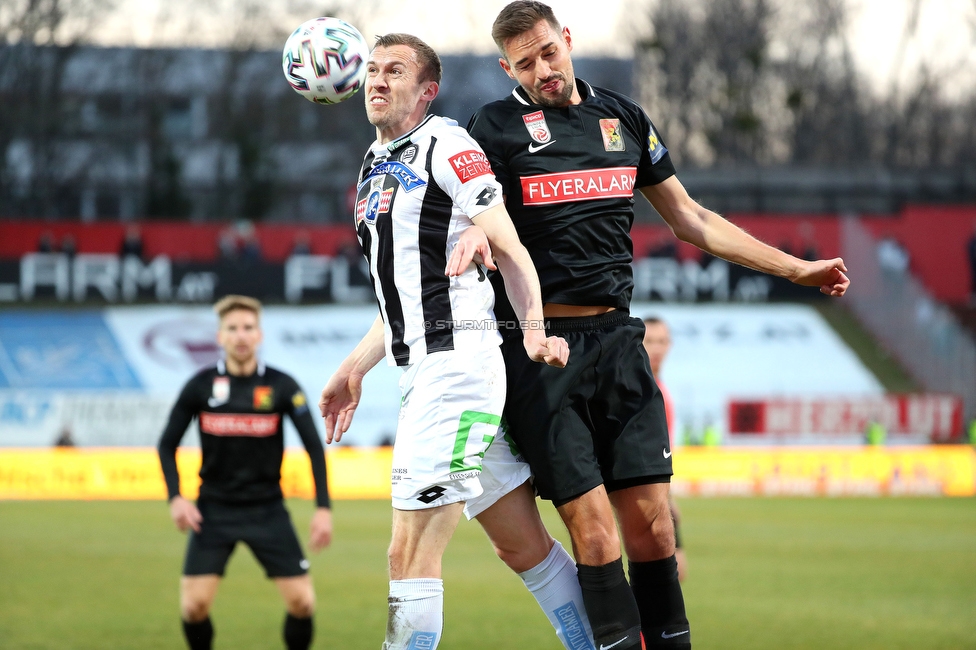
(764, 573)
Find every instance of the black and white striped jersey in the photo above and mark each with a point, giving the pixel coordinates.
(416, 195)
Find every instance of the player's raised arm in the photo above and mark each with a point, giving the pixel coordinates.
(522, 286)
(710, 232)
(341, 394)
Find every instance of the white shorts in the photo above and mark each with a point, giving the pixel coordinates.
(450, 414)
(503, 470)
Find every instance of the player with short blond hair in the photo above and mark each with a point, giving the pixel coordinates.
(240, 404)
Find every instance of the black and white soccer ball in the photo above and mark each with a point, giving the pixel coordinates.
(324, 60)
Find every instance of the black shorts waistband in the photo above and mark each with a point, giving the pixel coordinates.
(587, 323)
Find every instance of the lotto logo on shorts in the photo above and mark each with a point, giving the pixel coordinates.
(470, 164)
(431, 494)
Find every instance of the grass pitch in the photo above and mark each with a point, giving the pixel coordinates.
(763, 573)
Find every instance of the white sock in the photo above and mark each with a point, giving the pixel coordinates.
(554, 584)
(416, 616)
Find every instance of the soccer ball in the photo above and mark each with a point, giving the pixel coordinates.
(324, 60)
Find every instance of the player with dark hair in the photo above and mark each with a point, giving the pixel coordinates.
(569, 157)
(239, 404)
(423, 184)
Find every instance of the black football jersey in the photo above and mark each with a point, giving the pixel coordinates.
(569, 176)
(241, 435)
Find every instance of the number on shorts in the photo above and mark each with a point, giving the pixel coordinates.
(467, 420)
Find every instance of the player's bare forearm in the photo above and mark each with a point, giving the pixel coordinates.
(712, 233)
(368, 352)
(514, 262)
(521, 286)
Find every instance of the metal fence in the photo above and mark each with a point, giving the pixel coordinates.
(920, 332)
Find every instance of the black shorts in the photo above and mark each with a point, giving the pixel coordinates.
(265, 527)
(599, 420)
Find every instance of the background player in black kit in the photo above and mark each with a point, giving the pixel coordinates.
(568, 157)
(240, 404)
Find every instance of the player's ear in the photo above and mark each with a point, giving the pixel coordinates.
(430, 91)
(568, 38)
(507, 68)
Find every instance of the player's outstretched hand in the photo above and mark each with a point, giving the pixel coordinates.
(185, 514)
(472, 246)
(321, 535)
(338, 403)
(829, 275)
(552, 350)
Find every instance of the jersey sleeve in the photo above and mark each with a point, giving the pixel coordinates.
(485, 134)
(186, 408)
(301, 416)
(655, 164)
(461, 168)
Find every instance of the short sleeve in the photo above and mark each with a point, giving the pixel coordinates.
(483, 133)
(461, 168)
(655, 164)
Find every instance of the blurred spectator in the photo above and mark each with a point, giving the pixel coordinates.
(132, 242)
(250, 247)
(227, 244)
(45, 243)
(892, 256)
(302, 245)
(65, 438)
(971, 249)
(68, 246)
(809, 242)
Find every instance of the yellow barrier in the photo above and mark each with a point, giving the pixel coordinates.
(364, 473)
(135, 473)
(947, 470)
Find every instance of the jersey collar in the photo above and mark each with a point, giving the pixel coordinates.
(417, 132)
(585, 90)
(222, 367)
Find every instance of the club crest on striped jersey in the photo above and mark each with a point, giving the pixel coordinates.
(409, 154)
(378, 202)
(535, 124)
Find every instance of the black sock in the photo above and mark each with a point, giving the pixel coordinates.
(199, 636)
(610, 606)
(662, 607)
(298, 632)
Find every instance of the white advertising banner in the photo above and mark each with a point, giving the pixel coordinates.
(166, 345)
(720, 352)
